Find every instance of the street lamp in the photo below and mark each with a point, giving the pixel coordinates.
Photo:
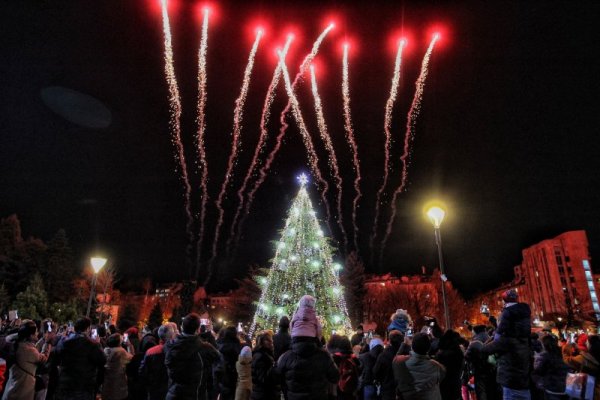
(97, 264)
(436, 216)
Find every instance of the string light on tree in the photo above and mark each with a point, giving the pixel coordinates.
(303, 264)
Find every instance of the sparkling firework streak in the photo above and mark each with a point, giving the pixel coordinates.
(333, 164)
(237, 127)
(264, 121)
(279, 140)
(200, 136)
(175, 124)
(413, 114)
(350, 138)
(312, 154)
(389, 106)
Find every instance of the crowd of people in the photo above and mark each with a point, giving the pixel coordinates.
(500, 361)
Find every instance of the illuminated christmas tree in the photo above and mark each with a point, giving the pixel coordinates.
(303, 264)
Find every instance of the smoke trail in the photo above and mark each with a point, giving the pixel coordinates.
(413, 114)
(389, 106)
(278, 142)
(312, 155)
(264, 120)
(333, 164)
(350, 138)
(237, 127)
(175, 124)
(200, 136)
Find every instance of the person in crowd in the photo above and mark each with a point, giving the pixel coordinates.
(400, 321)
(450, 355)
(550, 371)
(207, 336)
(511, 347)
(114, 386)
(189, 362)
(367, 382)
(382, 370)
(282, 341)
(79, 359)
(153, 371)
(230, 348)
(348, 365)
(483, 371)
(25, 361)
(358, 337)
(137, 389)
(304, 320)
(307, 368)
(588, 361)
(417, 375)
(133, 337)
(244, 372)
(265, 377)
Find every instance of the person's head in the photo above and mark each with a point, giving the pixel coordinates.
(190, 324)
(114, 340)
(284, 323)
(166, 333)
(477, 329)
(510, 296)
(27, 331)
(112, 329)
(374, 343)
(449, 340)
(132, 332)
(175, 328)
(396, 338)
(82, 325)
(359, 329)
(230, 333)
(101, 331)
(550, 344)
(246, 354)
(421, 343)
(307, 301)
(264, 341)
(339, 343)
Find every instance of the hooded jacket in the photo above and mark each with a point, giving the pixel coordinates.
(367, 362)
(305, 322)
(418, 377)
(551, 372)
(189, 363)
(383, 372)
(265, 376)
(115, 380)
(308, 370)
(153, 373)
(227, 376)
(515, 321)
(512, 363)
(79, 359)
(244, 383)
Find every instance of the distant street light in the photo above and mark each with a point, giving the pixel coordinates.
(436, 216)
(97, 264)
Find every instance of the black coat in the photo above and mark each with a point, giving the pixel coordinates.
(79, 359)
(515, 321)
(384, 373)
(153, 373)
(308, 370)
(282, 342)
(189, 362)
(367, 362)
(226, 373)
(550, 372)
(453, 360)
(512, 361)
(265, 376)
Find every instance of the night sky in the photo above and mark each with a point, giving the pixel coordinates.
(507, 136)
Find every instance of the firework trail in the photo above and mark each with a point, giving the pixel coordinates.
(389, 106)
(278, 142)
(200, 136)
(333, 164)
(175, 124)
(413, 114)
(350, 138)
(264, 120)
(237, 127)
(312, 154)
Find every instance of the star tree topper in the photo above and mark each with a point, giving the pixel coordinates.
(302, 179)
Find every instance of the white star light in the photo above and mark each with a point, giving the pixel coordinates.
(302, 179)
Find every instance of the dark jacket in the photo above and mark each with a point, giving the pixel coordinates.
(79, 359)
(357, 338)
(226, 373)
(282, 342)
(265, 376)
(153, 372)
(383, 372)
(189, 362)
(453, 360)
(367, 362)
(308, 370)
(479, 361)
(512, 361)
(418, 377)
(550, 372)
(515, 321)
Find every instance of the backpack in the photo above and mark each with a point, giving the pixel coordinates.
(348, 382)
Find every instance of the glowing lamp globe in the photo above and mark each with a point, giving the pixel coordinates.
(436, 216)
(97, 263)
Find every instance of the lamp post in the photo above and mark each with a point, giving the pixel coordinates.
(436, 216)
(97, 264)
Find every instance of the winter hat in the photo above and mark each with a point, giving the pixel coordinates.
(510, 296)
(307, 301)
(400, 321)
(246, 352)
(375, 342)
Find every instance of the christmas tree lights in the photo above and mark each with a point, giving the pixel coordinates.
(303, 264)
